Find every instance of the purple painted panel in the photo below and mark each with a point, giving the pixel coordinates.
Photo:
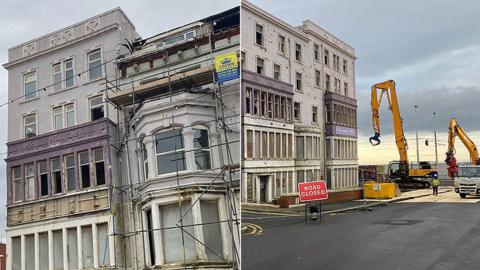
(345, 131)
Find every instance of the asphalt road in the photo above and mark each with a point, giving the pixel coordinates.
(426, 233)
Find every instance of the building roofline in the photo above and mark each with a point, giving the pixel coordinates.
(266, 15)
(306, 29)
(74, 25)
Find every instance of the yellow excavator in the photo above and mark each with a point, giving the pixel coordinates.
(398, 171)
(454, 130)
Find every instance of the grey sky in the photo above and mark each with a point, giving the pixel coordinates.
(430, 48)
(21, 21)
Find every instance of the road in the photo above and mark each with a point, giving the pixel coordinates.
(440, 233)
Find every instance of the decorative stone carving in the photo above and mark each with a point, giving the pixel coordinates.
(92, 25)
(61, 37)
(29, 49)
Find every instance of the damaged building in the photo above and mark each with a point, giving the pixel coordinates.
(122, 151)
(298, 108)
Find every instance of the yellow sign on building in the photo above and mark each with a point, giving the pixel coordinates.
(226, 67)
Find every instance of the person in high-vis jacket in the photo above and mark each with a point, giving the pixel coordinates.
(435, 185)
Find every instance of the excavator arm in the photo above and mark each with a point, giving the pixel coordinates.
(387, 88)
(455, 130)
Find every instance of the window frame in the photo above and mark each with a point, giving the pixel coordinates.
(33, 123)
(181, 151)
(208, 149)
(262, 37)
(90, 107)
(34, 94)
(298, 52)
(93, 51)
(15, 180)
(39, 178)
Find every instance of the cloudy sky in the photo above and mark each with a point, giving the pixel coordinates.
(21, 21)
(430, 48)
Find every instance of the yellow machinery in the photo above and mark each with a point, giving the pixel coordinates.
(454, 130)
(398, 171)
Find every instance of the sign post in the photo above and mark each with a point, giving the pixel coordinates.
(310, 192)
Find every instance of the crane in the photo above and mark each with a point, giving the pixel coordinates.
(398, 171)
(455, 130)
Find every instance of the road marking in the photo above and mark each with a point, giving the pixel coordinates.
(252, 229)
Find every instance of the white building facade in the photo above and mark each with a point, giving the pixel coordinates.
(292, 78)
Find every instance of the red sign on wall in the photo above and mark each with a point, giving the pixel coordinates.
(312, 191)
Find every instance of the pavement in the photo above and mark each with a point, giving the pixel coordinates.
(328, 208)
(418, 231)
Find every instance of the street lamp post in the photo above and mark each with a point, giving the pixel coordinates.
(416, 133)
(435, 137)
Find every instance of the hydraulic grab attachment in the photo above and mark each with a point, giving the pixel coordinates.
(454, 130)
(398, 171)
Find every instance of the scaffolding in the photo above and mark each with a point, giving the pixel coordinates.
(128, 99)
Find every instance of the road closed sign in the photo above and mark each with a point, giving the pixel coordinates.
(312, 191)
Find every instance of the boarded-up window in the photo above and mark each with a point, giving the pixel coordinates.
(57, 250)
(308, 151)
(72, 248)
(250, 188)
(264, 144)
(278, 145)
(103, 247)
(16, 256)
(271, 144)
(257, 145)
(300, 147)
(174, 249)
(211, 230)
(249, 144)
(290, 146)
(43, 250)
(284, 145)
(87, 246)
(29, 251)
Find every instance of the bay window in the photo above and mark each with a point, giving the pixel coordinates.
(17, 184)
(29, 181)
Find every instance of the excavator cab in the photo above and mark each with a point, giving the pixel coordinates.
(398, 170)
(375, 139)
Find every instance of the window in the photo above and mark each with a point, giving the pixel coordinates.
(42, 177)
(326, 56)
(99, 166)
(94, 65)
(58, 117)
(243, 59)
(276, 71)
(70, 172)
(345, 66)
(263, 103)
(68, 70)
(57, 76)
(315, 52)
(96, 108)
(308, 147)
(174, 250)
(335, 61)
(248, 100)
(63, 116)
(56, 175)
(314, 114)
(296, 111)
(170, 152)
(277, 107)
(281, 44)
(30, 125)
(260, 64)
(298, 52)
(259, 34)
(298, 81)
(30, 85)
(337, 64)
(17, 184)
(29, 181)
(255, 102)
(270, 105)
(145, 161)
(87, 246)
(289, 110)
(327, 82)
(282, 108)
(84, 163)
(201, 149)
(258, 145)
(289, 145)
(317, 78)
(345, 88)
(278, 145)
(284, 145)
(264, 144)
(58, 249)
